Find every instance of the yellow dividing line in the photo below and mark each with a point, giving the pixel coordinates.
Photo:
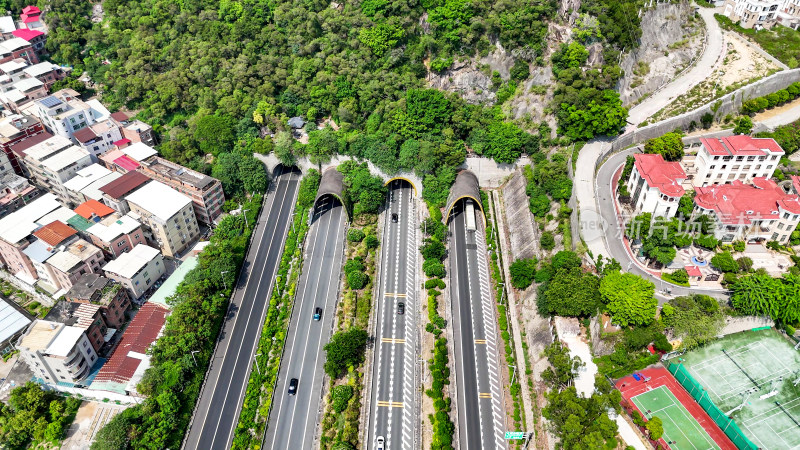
(393, 341)
(484, 395)
(393, 294)
(480, 341)
(390, 404)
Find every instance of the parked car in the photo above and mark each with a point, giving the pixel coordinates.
(317, 313)
(293, 386)
(401, 308)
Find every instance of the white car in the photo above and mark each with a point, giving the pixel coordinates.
(379, 443)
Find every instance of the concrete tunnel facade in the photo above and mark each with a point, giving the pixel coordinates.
(465, 186)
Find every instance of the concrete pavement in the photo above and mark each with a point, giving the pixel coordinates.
(293, 418)
(393, 398)
(217, 411)
(480, 399)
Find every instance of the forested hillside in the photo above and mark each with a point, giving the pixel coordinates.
(210, 74)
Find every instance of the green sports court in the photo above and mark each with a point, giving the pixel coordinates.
(681, 430)
(753, 378)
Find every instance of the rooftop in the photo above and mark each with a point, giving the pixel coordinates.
(176, 172)
(123, 185)
(113, 227)
(13, 125)
(42, 68)
(21, 223)
(171, 284)
(7, 24)
(66, 158)
(31, 10)
(61, 213)
(99, 110)
(741, 145)
(139, 151)
(79, 223)
(127, 264)
(12, 320)
(13, 66)
(159, 200)
(64, 261)
(21, 147)
(739, 203)
(127, 163)
(86, 286)
(28, 35)
(28, 84)
(120, 116)
(55, 233)
(93, 208)
(13, 44)
(86, 176)
(66, 340)
(39, 251)
(664, 175)
(40, 335)
(84, 135)
(139, 335)
(47, 147)
(93, 192)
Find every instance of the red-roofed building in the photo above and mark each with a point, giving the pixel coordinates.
(655, 185)
(761, 211)
(732, 158)
(92, 210)
(114, 193)
(55, 233)
(36, 38)
(125, 367)
(125, 164)
(31, 10)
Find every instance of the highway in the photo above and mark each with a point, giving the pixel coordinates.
(480, 394)
(394, 385)
(217, 410)
(293, 419)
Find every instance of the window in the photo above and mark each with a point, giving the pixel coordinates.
(713, 166)
(136, 283)
(119, 244)
(780, 226)
(85, 344)
(736, 167)
(724, 166)
(147, 281)
(136, 236)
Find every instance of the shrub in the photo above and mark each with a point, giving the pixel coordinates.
(745, 264)
(725, 262)
(548, 241)
(357, 280)
(655, 427)
(355, 235)
(661, 343)
(706, 241)
(729, 278)
(340, 395)
(371, 241)
(739, 246)
(434, 283)
(433, 268)
(346, 348)
(523, 272)
(790, 330)
(433, 249)
(744, 125)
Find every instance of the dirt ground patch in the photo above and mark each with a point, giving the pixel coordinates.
(91, 417)
(742, 65)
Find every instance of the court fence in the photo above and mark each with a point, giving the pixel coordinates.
(696, 390)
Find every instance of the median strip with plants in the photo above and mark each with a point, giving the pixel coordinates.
(433, 251)
(260, 386)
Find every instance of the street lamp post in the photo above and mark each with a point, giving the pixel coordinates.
(256, 360)
(244, 214)
(224, 283)
(193, 359)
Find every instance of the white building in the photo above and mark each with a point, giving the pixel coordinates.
(168, 213)
(99, 137)
(137, 270)
(742, 158)
(57, 353)
(758, 212)
(64, 113)
(655, 185)
(753, 13)
(82, 179)
(54, 162)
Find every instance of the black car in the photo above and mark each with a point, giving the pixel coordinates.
(401, 308)
(317, 313)
(394, 217)
(293, 386)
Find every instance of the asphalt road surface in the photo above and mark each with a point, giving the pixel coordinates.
(394, 386)
(481, 416)
(293, 418)
(217, 411)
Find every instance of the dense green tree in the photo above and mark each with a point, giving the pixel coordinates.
(725, 262)
(346, 348)
(582, 422)
(563, 367)
(744, 125)
(695, 319)
(215, 134)
(522, 272)
(570, 292)
(628, 298)
(670, 146)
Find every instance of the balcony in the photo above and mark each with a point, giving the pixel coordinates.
(73, 359)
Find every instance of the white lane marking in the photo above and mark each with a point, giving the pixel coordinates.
(456, 300)
(474, 345)
(282, 398)
(249, 315)
(331, 283)
(395, 318)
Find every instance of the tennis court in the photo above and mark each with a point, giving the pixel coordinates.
(681, 430)
(753, 378)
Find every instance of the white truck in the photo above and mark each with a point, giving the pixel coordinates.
(469, 210)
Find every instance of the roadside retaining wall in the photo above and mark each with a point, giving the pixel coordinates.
(728, 104)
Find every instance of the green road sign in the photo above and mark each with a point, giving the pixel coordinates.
(515, 435)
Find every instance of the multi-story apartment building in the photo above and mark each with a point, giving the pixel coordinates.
(15, 48)
(53, 162)
(99, 137)
(81, 180)
(656, 185)
(733, 158)
(137, 270)
(168, 213)
(98, 290)
(15, 192)
(753, 13)
(36, 38)
(15, 129)
(117, 234)
(76, 259)
(114, 193)
(57, 353)
(15, 236)
(135, 130)
(761, 211)
(64, 113)
(46, 72)
(205, 192)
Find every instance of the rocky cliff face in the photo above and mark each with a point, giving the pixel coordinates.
(671, 37)
(472, 79)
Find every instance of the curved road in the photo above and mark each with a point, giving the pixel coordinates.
(293, 419)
